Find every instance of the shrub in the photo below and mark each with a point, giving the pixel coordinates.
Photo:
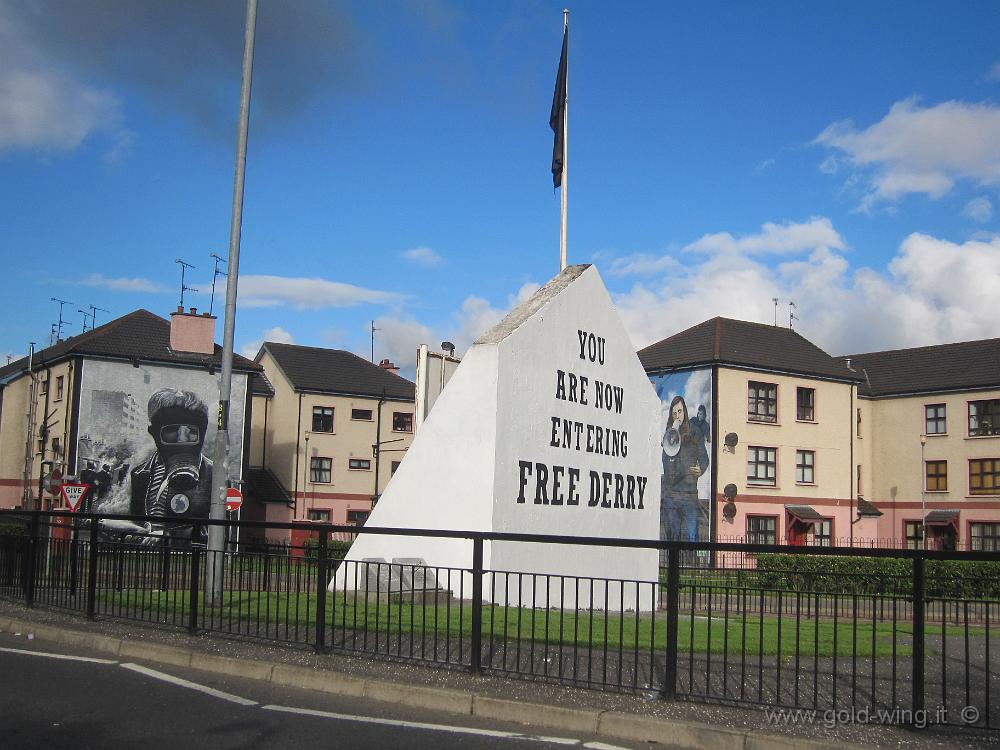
(873, 576)
(336, 550)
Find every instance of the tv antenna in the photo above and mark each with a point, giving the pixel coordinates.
(61, 321)
(85, 315)
(93, 315)
(791, 314)
(775, 301)
(373, 340)
(215, 274)
(184, 268)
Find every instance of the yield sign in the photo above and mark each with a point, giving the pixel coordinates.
(234, 499)
(74, 494)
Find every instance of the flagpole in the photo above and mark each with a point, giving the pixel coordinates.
(565, 154)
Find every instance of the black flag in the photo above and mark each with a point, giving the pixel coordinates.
(558, 116)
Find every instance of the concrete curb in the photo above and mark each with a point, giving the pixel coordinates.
(608, 724)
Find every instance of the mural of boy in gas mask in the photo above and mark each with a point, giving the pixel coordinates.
(176, 479)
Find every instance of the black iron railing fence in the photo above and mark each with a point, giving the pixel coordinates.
(909, 636)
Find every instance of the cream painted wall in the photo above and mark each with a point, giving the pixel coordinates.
(13, 425)
(898, 468)
(830, 435)
(285, 440)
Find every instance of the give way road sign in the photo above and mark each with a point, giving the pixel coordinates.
(74, 494)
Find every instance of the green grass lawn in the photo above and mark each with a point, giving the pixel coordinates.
(754, 635)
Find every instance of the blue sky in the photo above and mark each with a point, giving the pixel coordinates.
(844, 156)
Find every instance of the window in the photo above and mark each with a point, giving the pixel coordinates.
(357, 517)
(914, 533)
(322, 419)
(44, 387)
(362, 464)
(402, 421)
(320, 516)
(823, 533)
(761, 463)
(762, 402)
(321, 469)
(56, 447)
(936, 476)
(805, 464)
(984, 418)
(59, 388)
(934, 419)
(365, 415)
(761, 529)
(858, 472)
(395, 465)
(984, 476)
(985, 536)
(805, 404)
(859, 421)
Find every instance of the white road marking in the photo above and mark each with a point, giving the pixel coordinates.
(422, 725)
(192, 685)
(602, 746)
(57, 656)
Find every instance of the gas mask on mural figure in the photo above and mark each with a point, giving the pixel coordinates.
(179, 433)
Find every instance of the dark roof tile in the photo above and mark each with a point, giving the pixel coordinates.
(725, 341)
(967, 365)
(321, 370)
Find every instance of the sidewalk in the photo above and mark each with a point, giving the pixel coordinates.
(614, 716)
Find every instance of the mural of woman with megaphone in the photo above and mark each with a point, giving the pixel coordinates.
(684, 460)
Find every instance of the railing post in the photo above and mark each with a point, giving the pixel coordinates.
(322, 550)
(92, 568)
(31, 559)
(476, 664)
(673, 605)
(195, 578)
(919, 592)
(165, 563)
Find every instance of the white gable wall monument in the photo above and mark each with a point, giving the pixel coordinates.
(549, 426)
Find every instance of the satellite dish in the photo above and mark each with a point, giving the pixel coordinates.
(731, 440)
(729, 511)
(729, 491)
(671, 442)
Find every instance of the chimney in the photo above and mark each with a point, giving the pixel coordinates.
(191, 332)
(385, 364)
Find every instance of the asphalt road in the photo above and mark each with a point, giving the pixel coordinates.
(86, 701)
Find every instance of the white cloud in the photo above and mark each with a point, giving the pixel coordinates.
(423, 256)
(641, 264)
(42, 108)
(979, 209)
(398, 339)
(917, 149)
(306, 294)
(933, 291)
(773, 239)
(478, 316)
(120, 284)
(277, 334)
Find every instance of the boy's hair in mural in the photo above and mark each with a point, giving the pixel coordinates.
(173, 399)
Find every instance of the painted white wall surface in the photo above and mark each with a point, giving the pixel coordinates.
(521, 441)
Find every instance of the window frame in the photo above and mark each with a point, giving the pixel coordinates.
(408, 419)
(353, 514)
(991, 413)
(352, 461)
(982, 474)
(320, 418)
(60, 387)
(316, 468)
(801, 467)
(755, 481)
(935, 419)
(976, 541)
(799, 392)
(938, 463)
(914, 540)
(393, 466)
(763, 394)
(318, 515)
(820, 539)
(369, 418)
(754, 535)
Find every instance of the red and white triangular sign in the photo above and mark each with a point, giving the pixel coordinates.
(74, 494)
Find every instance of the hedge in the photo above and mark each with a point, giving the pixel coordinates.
(336, 550)
(878, 575)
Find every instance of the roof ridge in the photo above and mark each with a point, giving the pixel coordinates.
(926, 347)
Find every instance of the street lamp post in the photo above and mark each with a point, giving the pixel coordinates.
(923, 492)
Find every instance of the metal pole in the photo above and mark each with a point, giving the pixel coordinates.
(29, 452)
(220, 474)
(565, 156)
(923, 493)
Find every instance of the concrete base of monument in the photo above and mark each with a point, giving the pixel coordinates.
(549, 426)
